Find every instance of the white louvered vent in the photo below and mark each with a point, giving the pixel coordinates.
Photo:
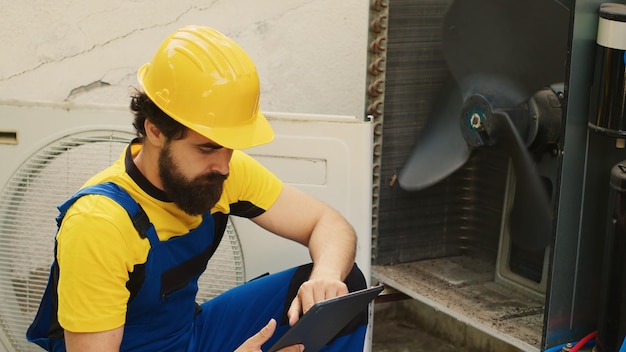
(27, 227)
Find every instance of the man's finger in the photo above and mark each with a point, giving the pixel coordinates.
(254, 343)
(265, 333)
(294, 311)
(307, 297)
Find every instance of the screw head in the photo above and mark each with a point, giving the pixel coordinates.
(475, 121)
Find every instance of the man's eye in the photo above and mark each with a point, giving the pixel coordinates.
(207, 150)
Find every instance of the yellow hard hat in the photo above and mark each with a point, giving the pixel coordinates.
(208, 83)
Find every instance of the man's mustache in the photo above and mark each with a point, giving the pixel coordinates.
(214, 178)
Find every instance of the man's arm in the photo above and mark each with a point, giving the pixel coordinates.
(104, 341)
(330, 238)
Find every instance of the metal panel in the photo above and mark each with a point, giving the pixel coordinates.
(573, 291)
(341, 146)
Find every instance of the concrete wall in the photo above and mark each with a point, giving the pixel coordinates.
(311, 55)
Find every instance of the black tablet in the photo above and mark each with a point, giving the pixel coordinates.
(325, 319)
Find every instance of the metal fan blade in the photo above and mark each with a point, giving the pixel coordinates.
(530, 218)
(506, 48)
(441, 148)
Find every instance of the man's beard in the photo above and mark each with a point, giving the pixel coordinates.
(194, 197)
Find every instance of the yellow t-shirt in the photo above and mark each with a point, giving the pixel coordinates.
(98, 246)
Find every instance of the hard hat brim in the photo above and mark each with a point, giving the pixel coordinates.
(257, 133)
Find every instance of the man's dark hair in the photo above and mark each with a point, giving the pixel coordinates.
(143, 108)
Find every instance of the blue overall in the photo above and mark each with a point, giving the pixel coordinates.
(162, 314)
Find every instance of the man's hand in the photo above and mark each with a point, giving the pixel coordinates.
(313, 291)
(254, 343)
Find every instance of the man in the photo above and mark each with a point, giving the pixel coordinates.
(133, 242)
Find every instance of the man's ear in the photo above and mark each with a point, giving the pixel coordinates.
(154, 134)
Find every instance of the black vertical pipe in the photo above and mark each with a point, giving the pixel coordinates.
(612, 314)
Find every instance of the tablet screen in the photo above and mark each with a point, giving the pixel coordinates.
(325, 319)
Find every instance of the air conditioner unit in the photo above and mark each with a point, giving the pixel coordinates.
(49, 149)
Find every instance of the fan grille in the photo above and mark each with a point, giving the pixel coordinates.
(27, 227)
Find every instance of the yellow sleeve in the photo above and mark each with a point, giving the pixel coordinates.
(250, 185)
(95, 258)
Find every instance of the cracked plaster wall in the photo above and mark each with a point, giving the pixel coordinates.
(310, 54)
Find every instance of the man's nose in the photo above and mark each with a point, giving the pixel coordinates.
(221, 161)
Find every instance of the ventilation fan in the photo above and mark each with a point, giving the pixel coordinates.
(506, 59)
(27, 227)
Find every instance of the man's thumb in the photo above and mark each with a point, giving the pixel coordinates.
(265, 333)
(255, 342)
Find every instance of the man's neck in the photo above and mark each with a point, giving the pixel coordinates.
(147, 161)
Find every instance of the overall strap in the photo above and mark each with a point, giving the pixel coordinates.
(45, 329)
(119, 195)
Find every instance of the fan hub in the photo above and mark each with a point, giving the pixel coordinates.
(475, 121)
